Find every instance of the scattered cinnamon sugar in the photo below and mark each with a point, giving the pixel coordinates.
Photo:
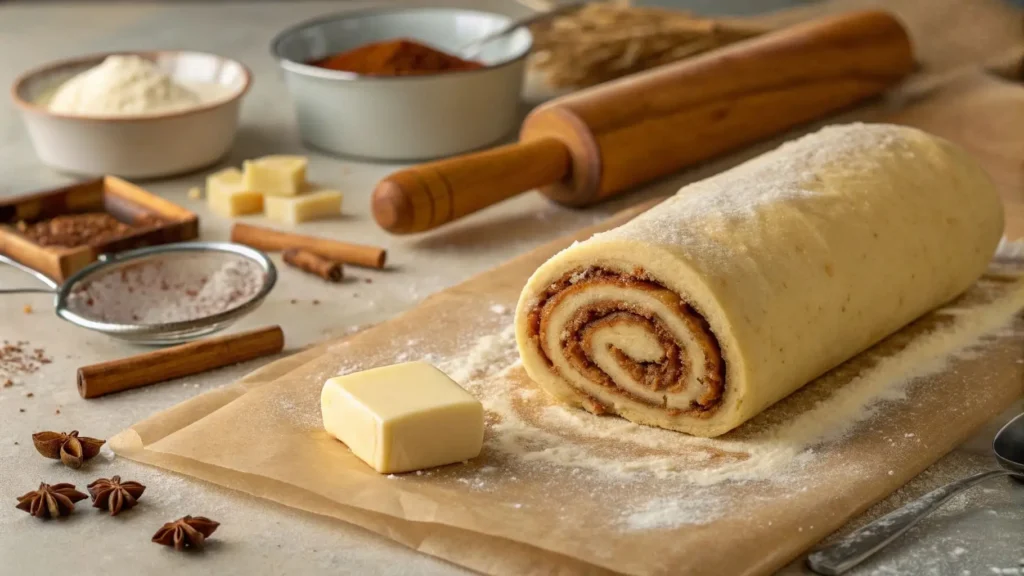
(18, 358)
(29, 395)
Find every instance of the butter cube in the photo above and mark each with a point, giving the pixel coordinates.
(275, 175)
(226, 180)
(403, 417)
(297, 209)
(227, 196)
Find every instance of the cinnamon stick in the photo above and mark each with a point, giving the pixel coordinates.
(314, 264)
(177, 361)
(274, 240)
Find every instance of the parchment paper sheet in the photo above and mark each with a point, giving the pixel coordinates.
(262, 435)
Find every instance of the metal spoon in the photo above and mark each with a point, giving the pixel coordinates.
(864, 542)
(473, 47)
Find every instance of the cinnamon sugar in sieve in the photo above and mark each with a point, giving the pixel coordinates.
(176, 288)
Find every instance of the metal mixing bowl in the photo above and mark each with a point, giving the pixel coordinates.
(404, 117)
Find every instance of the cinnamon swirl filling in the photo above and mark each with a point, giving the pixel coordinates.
(609, 334)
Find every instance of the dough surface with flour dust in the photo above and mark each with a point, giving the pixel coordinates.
(740, 289)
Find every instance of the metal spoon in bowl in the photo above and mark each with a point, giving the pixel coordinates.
(472, 48)
(850, 551)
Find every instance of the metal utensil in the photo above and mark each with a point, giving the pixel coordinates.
(850, 551)
(403, 118)
(161, 333)
(472, 48)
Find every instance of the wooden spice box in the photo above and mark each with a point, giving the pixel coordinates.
(121, 199)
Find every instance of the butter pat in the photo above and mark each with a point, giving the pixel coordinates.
(297, 209)
(403, 417)
(227, 195)
(275, 175)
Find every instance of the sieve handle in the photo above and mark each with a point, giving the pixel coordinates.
(51, 285)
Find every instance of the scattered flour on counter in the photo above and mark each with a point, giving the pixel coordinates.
(499, 309)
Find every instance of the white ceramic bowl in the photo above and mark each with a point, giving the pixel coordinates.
(139, 146)
(404, 117)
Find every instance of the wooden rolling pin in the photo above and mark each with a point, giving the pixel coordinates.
(602, 141)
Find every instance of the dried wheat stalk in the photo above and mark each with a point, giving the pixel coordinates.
(607, 40)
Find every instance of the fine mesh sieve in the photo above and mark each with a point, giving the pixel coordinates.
(162, 294)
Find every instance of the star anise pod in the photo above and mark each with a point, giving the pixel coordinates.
(71, 449)
(51, 501)
(187, 532)
(115, 495)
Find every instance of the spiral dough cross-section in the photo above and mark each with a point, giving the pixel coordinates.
(710, 307)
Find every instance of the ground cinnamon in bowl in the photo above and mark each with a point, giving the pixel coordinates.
(400, 57)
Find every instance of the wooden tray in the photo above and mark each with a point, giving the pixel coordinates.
(119, 198)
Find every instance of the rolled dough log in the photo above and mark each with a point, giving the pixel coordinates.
(727, 297)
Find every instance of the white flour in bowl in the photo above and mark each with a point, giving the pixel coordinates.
(123, 85)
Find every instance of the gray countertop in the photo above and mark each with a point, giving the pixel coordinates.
(977, 534)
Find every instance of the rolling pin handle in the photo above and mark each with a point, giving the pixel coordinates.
(423, 197)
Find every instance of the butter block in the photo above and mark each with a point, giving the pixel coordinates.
(278, 175)
(297, 209)
(227, 196)
(404, 417)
